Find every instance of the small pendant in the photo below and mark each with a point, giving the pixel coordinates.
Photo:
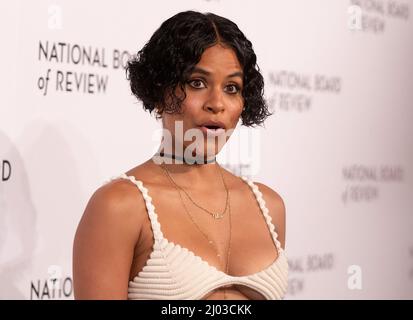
(218, 216)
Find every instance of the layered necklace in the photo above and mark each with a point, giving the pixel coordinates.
(214, 215)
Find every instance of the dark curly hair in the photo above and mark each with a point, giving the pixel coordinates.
(168, 58)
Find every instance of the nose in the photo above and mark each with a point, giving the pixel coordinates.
(215, 101)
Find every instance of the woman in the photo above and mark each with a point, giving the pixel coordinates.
(179, 226)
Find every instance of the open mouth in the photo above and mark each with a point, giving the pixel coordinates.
(213, 127)
(212, 130)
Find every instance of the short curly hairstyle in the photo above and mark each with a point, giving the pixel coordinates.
(168, 58)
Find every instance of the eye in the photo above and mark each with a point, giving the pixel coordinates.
(195, 83)
(199, 84)
(235, 88)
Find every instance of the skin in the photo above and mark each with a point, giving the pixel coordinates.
(114, 237)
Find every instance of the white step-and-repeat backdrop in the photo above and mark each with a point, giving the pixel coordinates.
(338, 149)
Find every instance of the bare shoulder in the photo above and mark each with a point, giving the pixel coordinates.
(104, 242)
(276, 208)
(271, 197)
(117, 203)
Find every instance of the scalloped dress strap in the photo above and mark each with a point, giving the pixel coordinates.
(264, 210)
(150, 208)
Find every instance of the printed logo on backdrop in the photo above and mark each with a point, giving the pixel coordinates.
(302, 267)
(5, 170)
(293, 91)
(77, 68)
(373, 16)
(5, 176)
(364, 182)
(54, 287)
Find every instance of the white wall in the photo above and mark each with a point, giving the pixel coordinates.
(338, 150)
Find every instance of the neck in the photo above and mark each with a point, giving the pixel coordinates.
(190, 173)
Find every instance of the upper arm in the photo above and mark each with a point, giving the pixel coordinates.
(104, 243)
(276, 208)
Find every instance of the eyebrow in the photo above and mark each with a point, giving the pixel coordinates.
(207, 73)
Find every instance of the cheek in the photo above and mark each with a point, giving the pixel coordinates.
(236, 111)
(192, 103)
(191, 108)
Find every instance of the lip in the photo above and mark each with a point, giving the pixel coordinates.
(213, 123)
(212, 132)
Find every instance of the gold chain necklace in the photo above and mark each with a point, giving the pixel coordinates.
(210, 242)
(215, 215)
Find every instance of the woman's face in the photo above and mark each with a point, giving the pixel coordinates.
(213, 97)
